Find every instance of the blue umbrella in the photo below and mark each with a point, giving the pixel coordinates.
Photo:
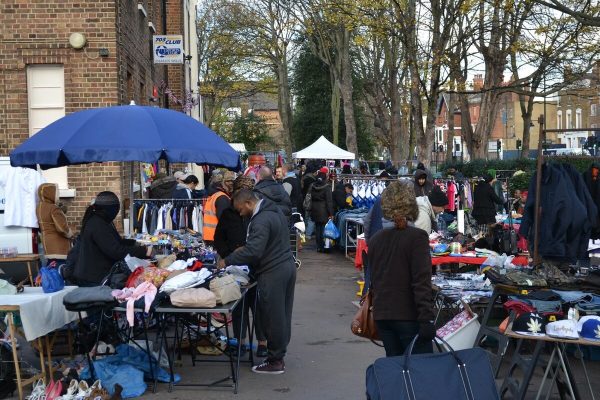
(124, 133)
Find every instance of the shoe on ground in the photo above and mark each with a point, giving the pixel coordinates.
(270, 367)
(232, 350)
(261, 351)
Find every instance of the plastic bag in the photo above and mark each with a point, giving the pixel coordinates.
(331, 231)
(52, 281)
(134, 262)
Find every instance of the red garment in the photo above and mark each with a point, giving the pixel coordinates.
(451, 193)
(361, 244)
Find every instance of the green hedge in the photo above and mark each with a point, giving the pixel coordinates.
(479, 167)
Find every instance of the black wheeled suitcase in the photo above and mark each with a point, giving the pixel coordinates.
(457, 375)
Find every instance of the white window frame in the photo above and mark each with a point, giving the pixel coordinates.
(46, 104)
(578, 118)
(593, 110)
(559, 120)
(569, 120)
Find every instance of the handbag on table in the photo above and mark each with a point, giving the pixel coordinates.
(225, 289)
(194, 297)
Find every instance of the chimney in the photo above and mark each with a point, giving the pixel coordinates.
(477, 82)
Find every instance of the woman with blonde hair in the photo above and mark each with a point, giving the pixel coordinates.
(401, 275)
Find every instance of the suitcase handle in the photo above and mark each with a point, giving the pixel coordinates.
(409, 349)
(461, 367)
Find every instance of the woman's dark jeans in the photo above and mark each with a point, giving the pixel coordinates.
(397, 335)
(319, 233)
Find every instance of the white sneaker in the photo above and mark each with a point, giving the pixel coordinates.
(71, 391)
(38, 392)
(83, 390)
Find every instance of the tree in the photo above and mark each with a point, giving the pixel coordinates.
(267, 29)
(382, 71)
(311, 85)
(585, 12)
(252, 130)
(224, 71)
(330, 27)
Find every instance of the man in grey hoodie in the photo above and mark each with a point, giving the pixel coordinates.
(268, 250)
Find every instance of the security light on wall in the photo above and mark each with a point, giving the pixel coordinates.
(77, 40)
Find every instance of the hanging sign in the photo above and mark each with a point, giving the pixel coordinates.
(168, 49)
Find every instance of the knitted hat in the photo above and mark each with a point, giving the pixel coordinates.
(437, 198)
(398, 199)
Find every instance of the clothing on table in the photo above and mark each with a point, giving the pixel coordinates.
(20, 195)
(145, 289)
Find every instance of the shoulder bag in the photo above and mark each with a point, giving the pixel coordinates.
(225, 289)
(363, 324)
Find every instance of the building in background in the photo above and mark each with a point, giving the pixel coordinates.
(64, 56)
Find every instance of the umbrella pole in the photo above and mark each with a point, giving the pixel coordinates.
(131, 198)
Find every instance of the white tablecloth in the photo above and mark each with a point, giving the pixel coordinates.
(41, 313)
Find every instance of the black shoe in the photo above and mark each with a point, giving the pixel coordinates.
(261, 351)
(232, 350)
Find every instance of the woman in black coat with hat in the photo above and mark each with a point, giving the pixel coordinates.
(484, 201)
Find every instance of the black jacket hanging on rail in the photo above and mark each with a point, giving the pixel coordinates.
(566, 216)
(591, 177)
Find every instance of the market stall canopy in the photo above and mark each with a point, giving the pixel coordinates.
(239, 147)
(324, 149)
(124, 133)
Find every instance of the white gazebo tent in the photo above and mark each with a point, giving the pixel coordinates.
(323, 149)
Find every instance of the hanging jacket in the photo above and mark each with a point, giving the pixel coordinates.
(583, 206)
(211, 217)
(56, 233)
(269, 189)
(322, 202)
(559, 213)
(591, 178)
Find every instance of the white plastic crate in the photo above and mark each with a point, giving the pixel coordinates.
(464, 337)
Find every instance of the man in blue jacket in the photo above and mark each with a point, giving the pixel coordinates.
(268, 250)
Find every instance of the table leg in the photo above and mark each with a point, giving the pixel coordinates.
(30, 273)
(587, 377)
(13, 345)
(239, 345)
(546, 372)
(49, 356)
(563, 365)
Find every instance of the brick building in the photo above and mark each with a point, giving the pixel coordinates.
(44, 75)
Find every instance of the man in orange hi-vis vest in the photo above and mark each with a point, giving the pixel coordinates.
(216, 204)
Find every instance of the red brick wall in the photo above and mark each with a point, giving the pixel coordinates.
(175, 27)
(37, 32)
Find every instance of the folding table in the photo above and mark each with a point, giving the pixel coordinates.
(41, 313)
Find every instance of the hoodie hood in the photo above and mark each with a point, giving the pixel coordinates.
(420, 173)
(270, 190)
(48, 193)
(266, 206)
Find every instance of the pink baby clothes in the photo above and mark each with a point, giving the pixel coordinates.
(145, 289)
